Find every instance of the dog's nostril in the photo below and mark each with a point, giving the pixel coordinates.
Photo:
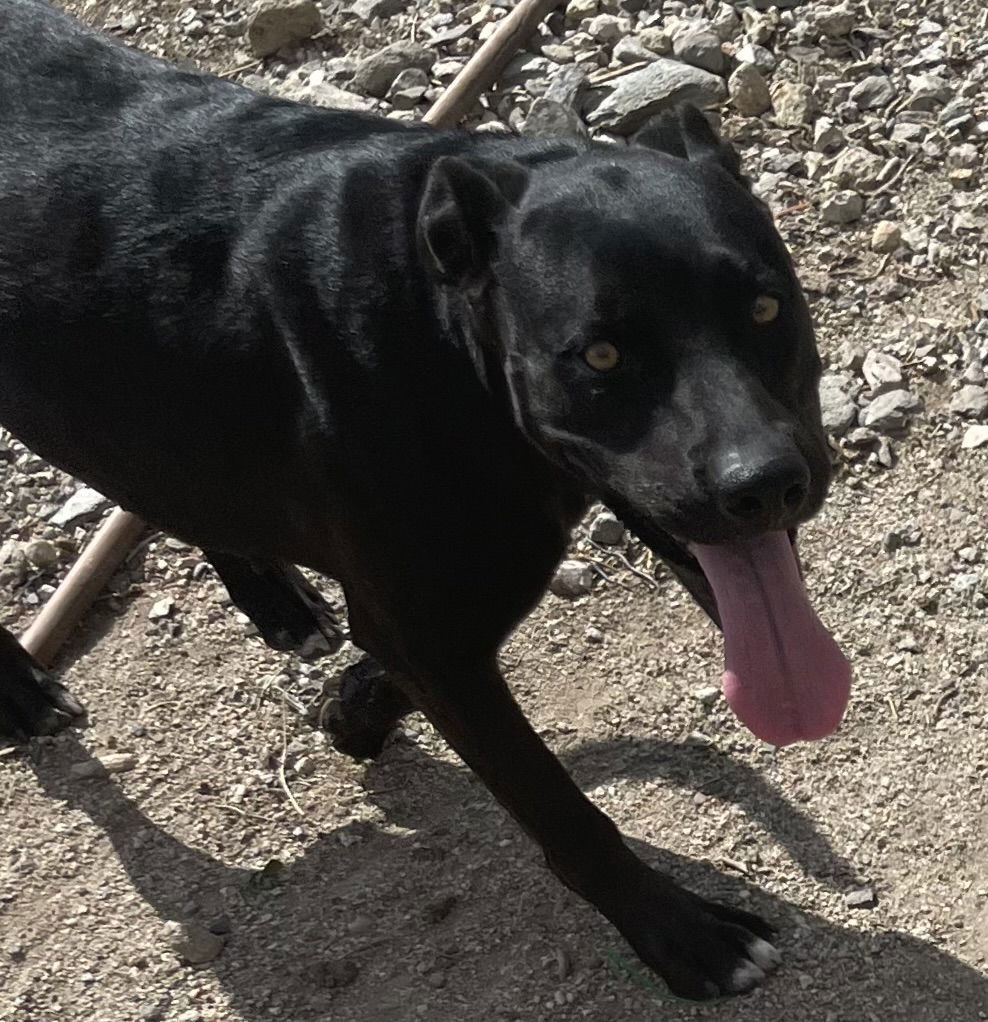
(745, 507)
(794, 496)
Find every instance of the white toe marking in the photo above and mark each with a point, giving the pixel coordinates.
(763, 954)
(746, 976)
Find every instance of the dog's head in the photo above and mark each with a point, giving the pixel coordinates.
(656, 343)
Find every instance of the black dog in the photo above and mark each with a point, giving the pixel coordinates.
(293, 336)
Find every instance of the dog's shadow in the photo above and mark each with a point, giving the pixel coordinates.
(294, 950)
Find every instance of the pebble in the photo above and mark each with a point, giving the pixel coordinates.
(795, 104)
(974, 437)
(193, 943)
(891, 411)
(886, 237)
(971, 402)
(641, 94)
(607, 529)
(85, 505)
(861, 897)
(749, 91)
(110, 763)
(842, 207)
(873, 93)
(376, 73)
(368, 10)
(548, 118)
(572, 579)
(708, 695)
(161, 609)
(274, 24)
(882, 372)
(839, 412)
(42, 554)
(700, 46)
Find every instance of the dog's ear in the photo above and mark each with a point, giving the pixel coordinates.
(461, 208)
(685, 132)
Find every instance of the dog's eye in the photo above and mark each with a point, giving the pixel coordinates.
(602, 356)
(765, 310)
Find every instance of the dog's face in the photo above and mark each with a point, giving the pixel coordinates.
(655, 342)
(654, 334)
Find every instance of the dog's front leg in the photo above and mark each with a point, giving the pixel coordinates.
(702, 950)
(31, 702)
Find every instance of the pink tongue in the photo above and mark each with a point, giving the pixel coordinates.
(784, 676)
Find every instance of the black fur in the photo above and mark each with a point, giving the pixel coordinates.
(299, 337)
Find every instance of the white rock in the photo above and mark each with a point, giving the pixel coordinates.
(749, 91)
(975, 436)
(842, 208)
(572, 579)
(273, 24)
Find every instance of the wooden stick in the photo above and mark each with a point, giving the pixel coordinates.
(483, 68)
(121, 531)
(82, 585)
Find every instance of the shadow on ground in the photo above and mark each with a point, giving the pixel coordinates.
(291, 955)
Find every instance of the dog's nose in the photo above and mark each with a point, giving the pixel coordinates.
(763, 492)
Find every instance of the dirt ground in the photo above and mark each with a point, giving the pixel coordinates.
(399, 890)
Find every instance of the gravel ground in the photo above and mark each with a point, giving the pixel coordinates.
(199, 819)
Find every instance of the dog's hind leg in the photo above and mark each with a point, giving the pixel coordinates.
(367, 708)
(290, 614)
(31, 701)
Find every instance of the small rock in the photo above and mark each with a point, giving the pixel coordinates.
(861, 897)
(857, 168)
(161, 609)
(608, 28)
(549, 119)
(368, 10)
(567, 86)
(839, 412)
(827, 137)
(971, 402)
(835, 22)
(334, 98)
(409, 88)
(607, 529)
(630, 50)
(273, 24)
(639, 95)
(842, 208)
(376, 73)
(749, 91)
(760, 56)
(886, 237)
(890, 412)
(656, 39)
(873, 93)
(572, 579)
(708, 695)
(111, 763)
(882, 372)
(974, 437)
(85, 505)
(593, 635)
(795, 104)
(193, 943)
(700, 46)
(42, 554)
(579, 10)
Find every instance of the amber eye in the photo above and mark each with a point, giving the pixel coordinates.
(765, 310)
(602, 356)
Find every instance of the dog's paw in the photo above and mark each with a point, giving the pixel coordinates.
(701, 949)
(32, 703)
(365, 710)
